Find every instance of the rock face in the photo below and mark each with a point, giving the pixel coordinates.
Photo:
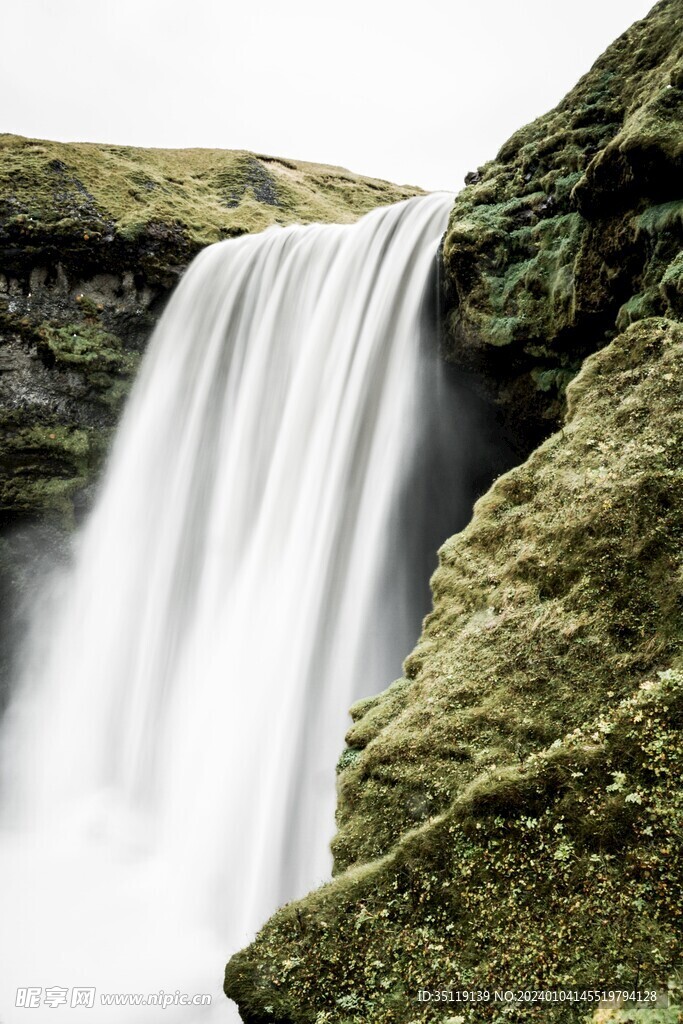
(574, 230)
(510, 813)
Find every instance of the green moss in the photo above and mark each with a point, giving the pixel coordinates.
(657, 219)
(580, 212)
(671, 286)
(348, 757)
(554, 380)
(99, 355)
(43, 467)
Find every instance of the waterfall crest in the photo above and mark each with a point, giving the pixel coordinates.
(168, 759)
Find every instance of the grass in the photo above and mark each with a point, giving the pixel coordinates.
(210, 194)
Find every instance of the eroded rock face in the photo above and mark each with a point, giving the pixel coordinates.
(573, 231)
(68, 353)
(510, 812)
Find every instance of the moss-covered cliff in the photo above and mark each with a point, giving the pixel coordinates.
(574, 230)
(510, 813)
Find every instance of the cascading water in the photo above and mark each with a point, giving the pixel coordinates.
(168, 759)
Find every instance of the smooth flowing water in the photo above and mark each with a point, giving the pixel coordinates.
(255, 562)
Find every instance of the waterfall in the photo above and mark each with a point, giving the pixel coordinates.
(248, 571)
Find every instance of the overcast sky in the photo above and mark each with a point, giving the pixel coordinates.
(417, 93)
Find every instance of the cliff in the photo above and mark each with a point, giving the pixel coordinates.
(574, 230)
(509, 813)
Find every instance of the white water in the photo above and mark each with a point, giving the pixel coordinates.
(168, 760)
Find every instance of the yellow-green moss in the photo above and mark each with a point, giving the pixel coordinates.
(567, 557)
(96, 353)
(210, 194)
(511, 813)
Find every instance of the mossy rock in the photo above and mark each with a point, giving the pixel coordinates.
(61, 394)
(511, 814)
(45, 468)
(550, 244)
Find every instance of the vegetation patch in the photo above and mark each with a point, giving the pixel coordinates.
(572, 885)
(94, 204)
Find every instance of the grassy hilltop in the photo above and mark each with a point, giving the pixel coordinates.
(72, 189)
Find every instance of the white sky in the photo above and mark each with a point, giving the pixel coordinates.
(417, 93)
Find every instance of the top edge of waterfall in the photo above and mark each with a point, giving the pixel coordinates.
(429, 198)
